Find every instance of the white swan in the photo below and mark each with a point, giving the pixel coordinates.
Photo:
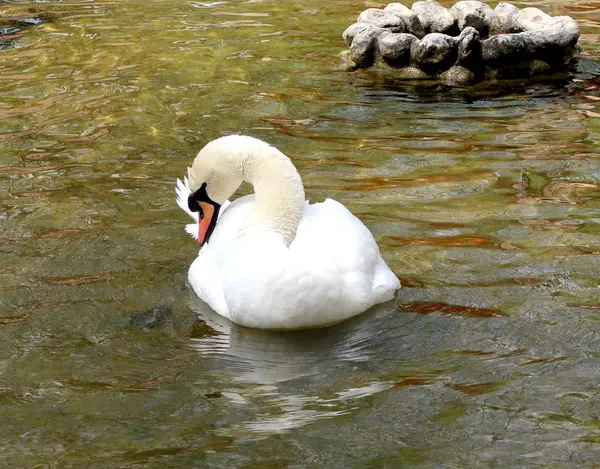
(275, 261)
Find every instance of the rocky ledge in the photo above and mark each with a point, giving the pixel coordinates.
(462, 44)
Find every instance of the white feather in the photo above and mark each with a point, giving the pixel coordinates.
(183, 191)
(192, 230)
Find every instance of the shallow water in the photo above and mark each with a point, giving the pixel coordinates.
(484, 201)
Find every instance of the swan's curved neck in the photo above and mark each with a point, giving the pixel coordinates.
(279, 204)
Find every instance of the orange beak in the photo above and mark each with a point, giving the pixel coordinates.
(206, 213)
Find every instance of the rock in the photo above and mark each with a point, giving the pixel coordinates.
(352, 30)
(412, 73)
(530, 19)
(539, 66)
(426, 40)
(503, 50)
(362, 49)
(565, 31)
(434, 17)
(395, 49)
(505, 13)
(458, 75)
(411, 21)
(469, 49)
(554, 45)
(153, 318)
(347, 63)
(434, 53)
(474, 14)
(382, 19)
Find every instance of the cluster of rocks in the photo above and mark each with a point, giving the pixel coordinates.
(463, 43)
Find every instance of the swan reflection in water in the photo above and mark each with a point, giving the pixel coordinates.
(265, 370)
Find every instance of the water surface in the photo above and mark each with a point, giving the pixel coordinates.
(484, 201)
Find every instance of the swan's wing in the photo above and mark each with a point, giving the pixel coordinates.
(337, 242)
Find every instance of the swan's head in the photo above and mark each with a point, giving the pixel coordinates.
(213, 178)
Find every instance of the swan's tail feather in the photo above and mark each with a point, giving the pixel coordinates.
(385, 282)
(183, 192)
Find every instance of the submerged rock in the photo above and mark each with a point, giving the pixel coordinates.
(11, 27)
(153, 318)
(458, 75)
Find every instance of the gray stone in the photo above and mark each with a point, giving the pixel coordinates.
(505, 13)
(530, 19)
(474, 14)
(434, 17)
(435, 52)
(503, 50)
(526, 41)
(469, 49)
(566, 30)
(353, 30)
(362, 49)
(382, 19)
(458, 75)
(555, 44)
(409, 18)
(395, 48)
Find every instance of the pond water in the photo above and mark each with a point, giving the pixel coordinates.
(484, 201)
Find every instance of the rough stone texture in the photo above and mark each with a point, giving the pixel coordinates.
(410, 19)
(504, 49)
(530, 19)
(413, 73)
(505, 13)
(435, 52)
(524, 41)
(554, 46)
(434, 17)
(346, 61)
(469, 49)
(352, 30)
(362, 50)
(474, 14)
(382, 19)
(458, 75)
(565, 31)
(395, 49)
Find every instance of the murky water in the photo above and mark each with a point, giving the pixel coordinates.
(484, 201)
